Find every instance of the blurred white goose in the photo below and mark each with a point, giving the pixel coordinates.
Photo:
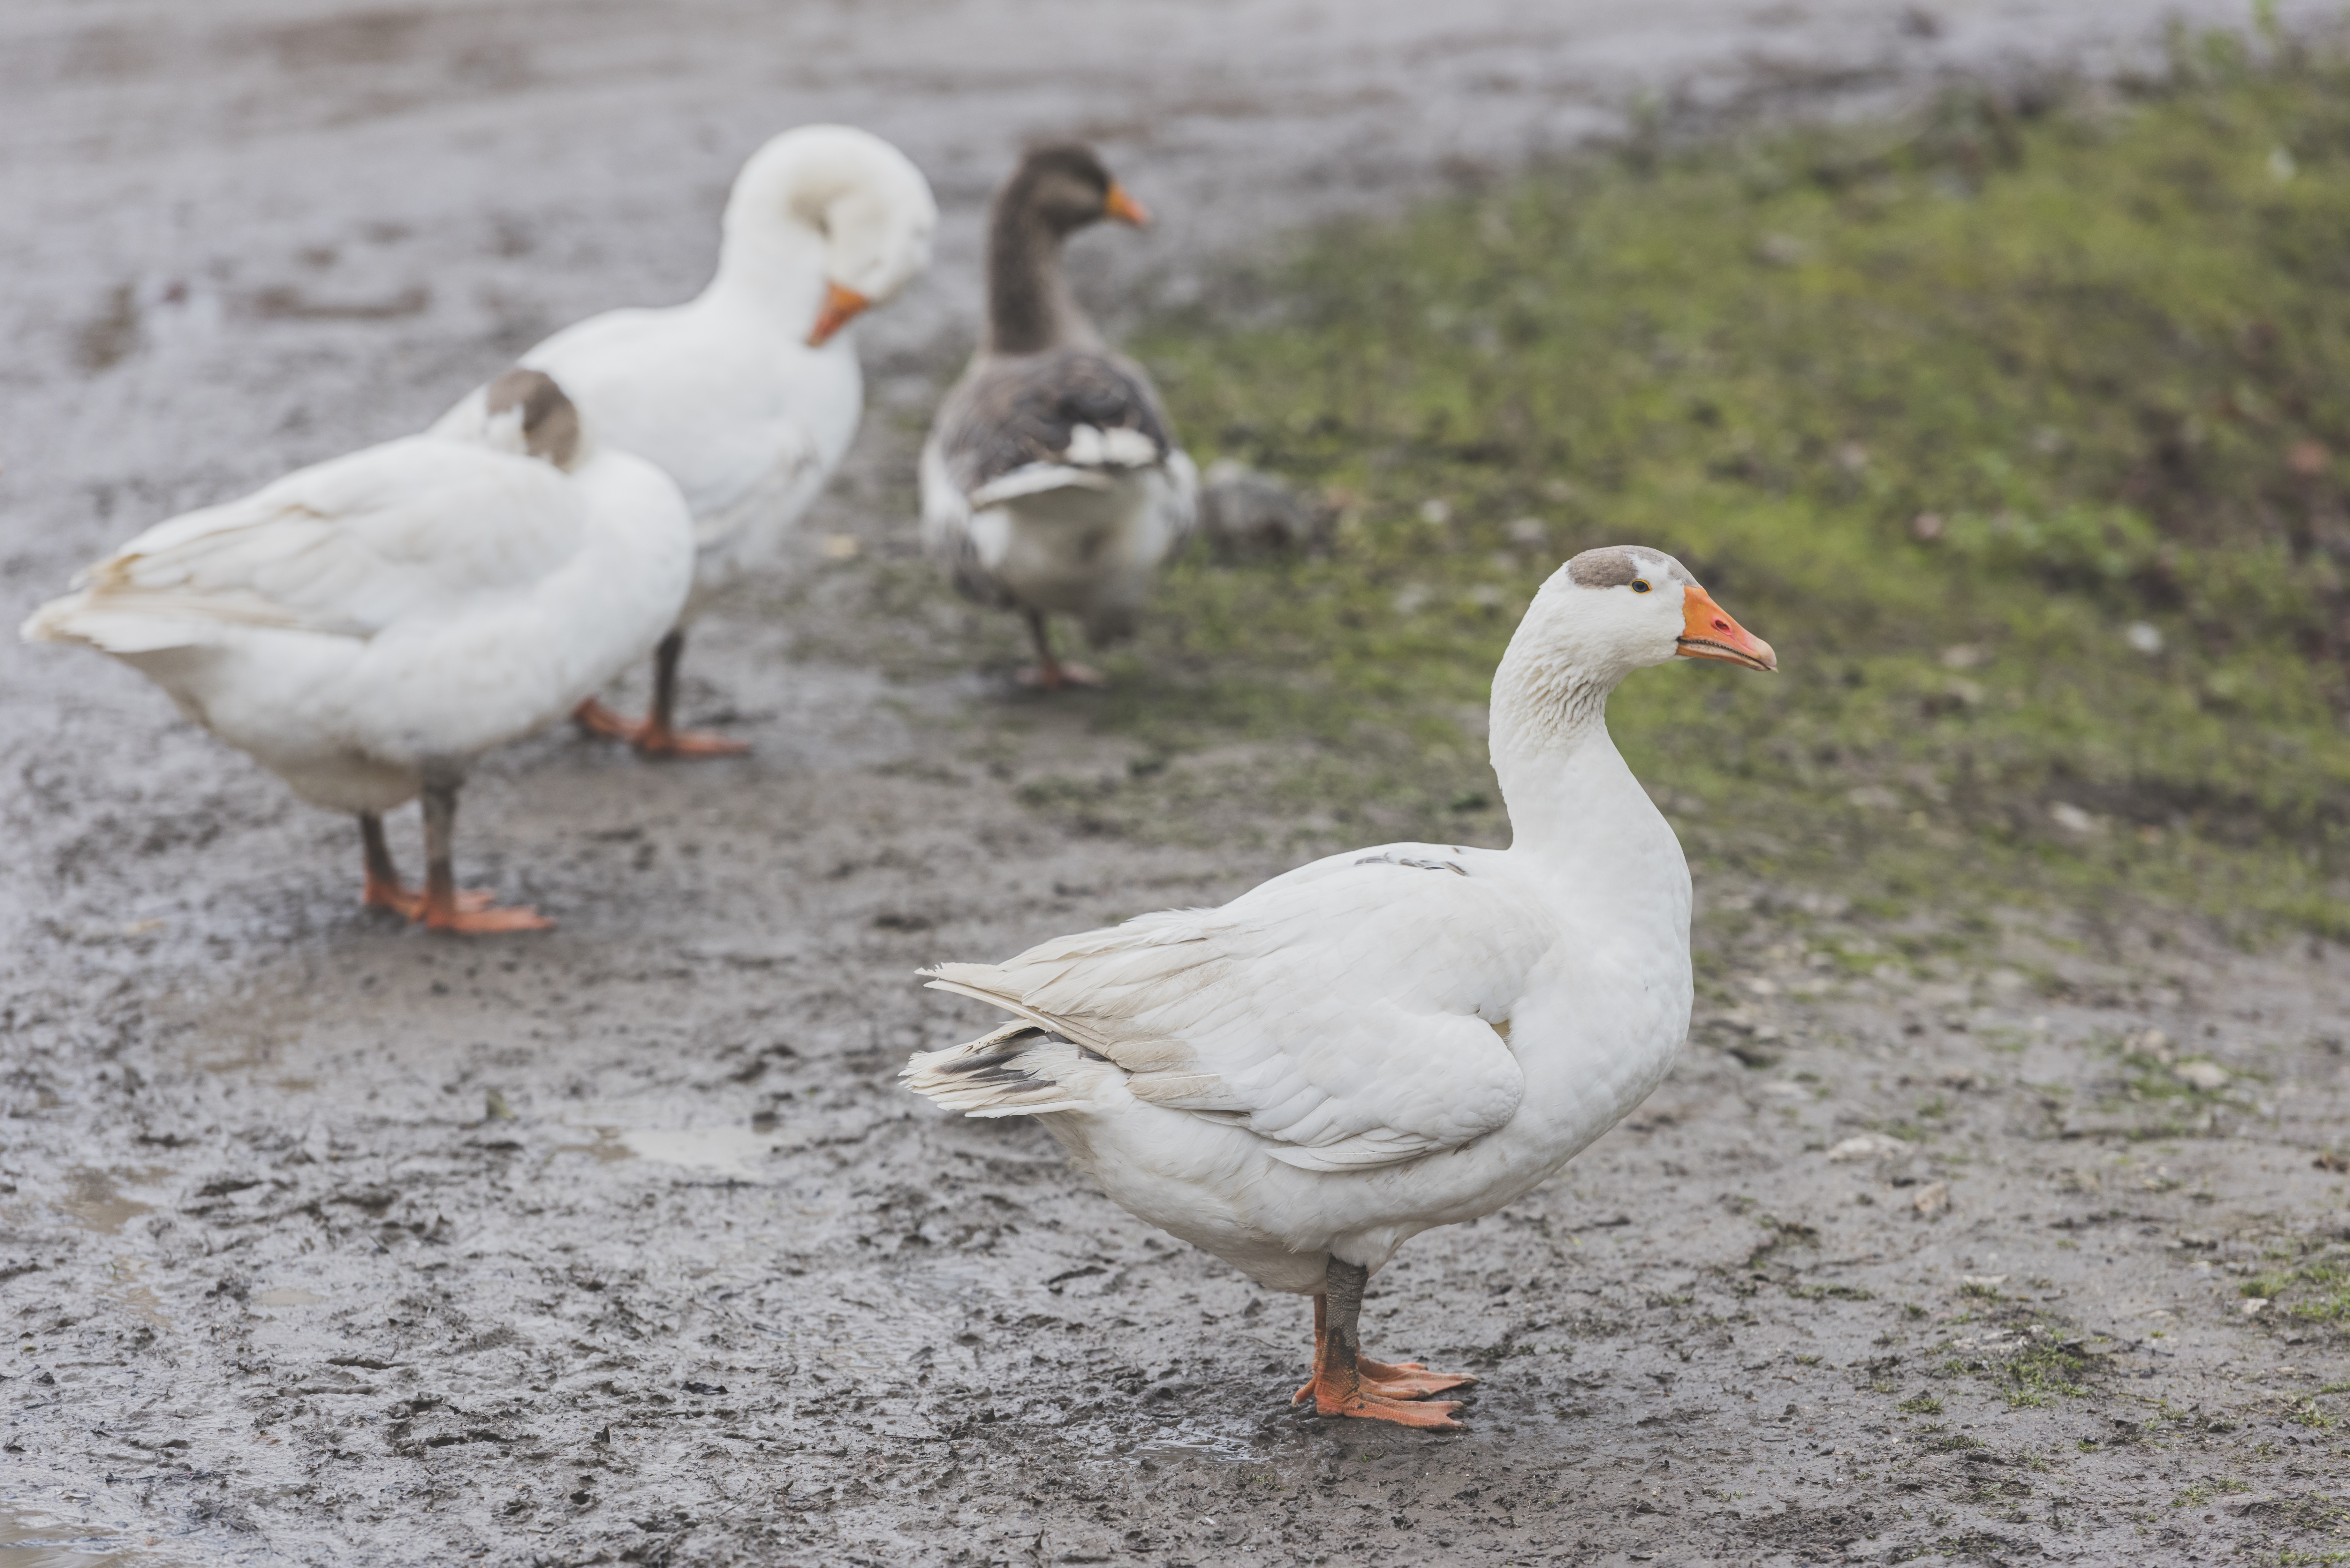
(1050, 483)
(1389, 1039)
(749, 395)
(366, 627)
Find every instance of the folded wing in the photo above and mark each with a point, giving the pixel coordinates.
(1321, 1015)
(1066, 420)
(415, 530)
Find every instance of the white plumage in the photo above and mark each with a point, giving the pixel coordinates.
(366, 627)
(749, 395)
(1388, 1039)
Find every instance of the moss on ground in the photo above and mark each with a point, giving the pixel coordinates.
(2314, 1288)
(2019, 430)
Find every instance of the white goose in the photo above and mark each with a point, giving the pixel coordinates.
(366, 627)
(1050, 481)
(749, 395)
(1389, 1039)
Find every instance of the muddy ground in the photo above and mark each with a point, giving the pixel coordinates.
(326, 1242)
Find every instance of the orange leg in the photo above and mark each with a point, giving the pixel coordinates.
(444, 909)
(656, 734)
(384, 890)
(1051, 674)
(1345, 1384)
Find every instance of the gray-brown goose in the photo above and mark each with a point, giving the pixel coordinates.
(1050, 481)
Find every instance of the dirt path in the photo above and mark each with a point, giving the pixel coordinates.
(329, 1243)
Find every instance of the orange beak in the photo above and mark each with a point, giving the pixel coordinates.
(840, 308)
(1708, 632)
(1125, 208)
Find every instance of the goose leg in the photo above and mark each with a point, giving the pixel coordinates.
(656, 734)
(384, 890)
(1049, 674)
(1396, 1380)
(1347, 1384)
(445, 909)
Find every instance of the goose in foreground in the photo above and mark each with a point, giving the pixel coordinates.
(749, 395)
(366, 627)
(1389, 1039)
(1051, 483)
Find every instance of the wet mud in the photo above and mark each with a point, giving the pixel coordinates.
(323, 1241)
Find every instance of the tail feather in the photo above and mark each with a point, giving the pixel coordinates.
(1014, 1070)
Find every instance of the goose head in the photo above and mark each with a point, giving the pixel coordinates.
(1626, 606)
(1601, 615)
(1058, 189)
(1064, 187)
(524, 412)
(867, 206)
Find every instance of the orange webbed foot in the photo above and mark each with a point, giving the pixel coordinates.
(1400, 1380)
(652, 738)
(595, 719)
(1337, 1397)
(409, 902)
(1409, 1379)
(1054, 677)
(483, 921)
(651, 741)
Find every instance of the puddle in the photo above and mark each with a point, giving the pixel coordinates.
(286, 1296)
(93, 1202)
(1189, 1442)
(736, 1151)
(727, 1151)
(29, 1541)
(608, 1146)
(124, 1273)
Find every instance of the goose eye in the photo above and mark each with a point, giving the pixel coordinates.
(1639, 584)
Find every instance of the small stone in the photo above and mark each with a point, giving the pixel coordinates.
(2253, 1305)
(1246, 513)
(1982, 1281)
(2144, 635)
(840, 547)
(2208, 1076)
(1926, 527)
(2073, 819)
(1932, 1200)
(1867, 1146)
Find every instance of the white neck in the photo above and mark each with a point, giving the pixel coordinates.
(1573, 803)
(771, 260)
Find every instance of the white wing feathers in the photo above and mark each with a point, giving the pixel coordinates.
(1318, 1014)
(347, 548)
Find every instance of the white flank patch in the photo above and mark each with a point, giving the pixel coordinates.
(1034, 478)
(1093, 447)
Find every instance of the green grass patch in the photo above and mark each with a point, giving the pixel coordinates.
(2315, 1288)
(2023, 434)
(2043, 1372)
